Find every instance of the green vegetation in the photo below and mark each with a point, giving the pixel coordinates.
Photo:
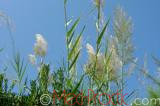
(108, 65)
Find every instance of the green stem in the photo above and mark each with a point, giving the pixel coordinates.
(66, 29)
(122, 69)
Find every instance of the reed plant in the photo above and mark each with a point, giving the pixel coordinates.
(107, 67)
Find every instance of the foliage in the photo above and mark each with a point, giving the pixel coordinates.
(107, 66)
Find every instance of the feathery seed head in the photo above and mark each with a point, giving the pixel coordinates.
(40, 47)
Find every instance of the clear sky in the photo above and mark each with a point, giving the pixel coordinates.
(47, 17)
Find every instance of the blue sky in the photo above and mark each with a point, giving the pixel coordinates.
(46, 17)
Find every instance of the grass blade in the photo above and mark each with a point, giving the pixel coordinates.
(74, 61)
(78, 84)
(75, 44)
(102, 33)
(73, 27)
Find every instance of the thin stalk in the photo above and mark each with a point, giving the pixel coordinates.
(11, 37)
(98, 32)
(122, 68)
(148, 75)
(99, 15)
(97, 48)
(66, 30)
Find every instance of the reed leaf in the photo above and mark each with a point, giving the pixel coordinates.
(75, 44)
(74, 60)
(102, 33)
(69, 33)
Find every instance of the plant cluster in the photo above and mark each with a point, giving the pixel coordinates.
(109, 62)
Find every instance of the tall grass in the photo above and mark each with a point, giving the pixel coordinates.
(107, 67)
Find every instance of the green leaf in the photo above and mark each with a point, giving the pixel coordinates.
(75, 44)
(68, 23)
(73, 27)
(65, 2)
(102, 33)
(74, 61)
(12, 86)
(69, 83)
(20, 69)
(70, 39)
(78, 84)
(23, 72)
